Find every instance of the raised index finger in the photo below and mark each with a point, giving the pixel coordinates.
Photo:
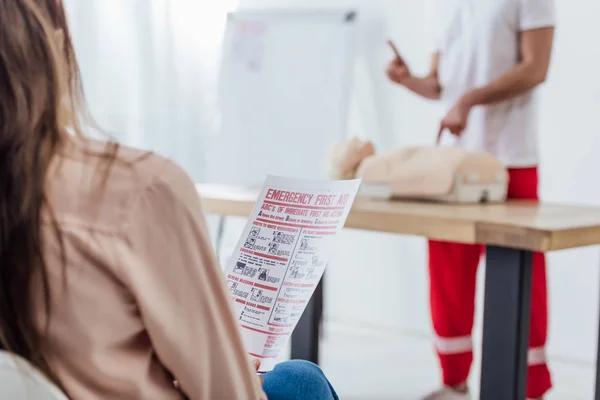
(395, 50)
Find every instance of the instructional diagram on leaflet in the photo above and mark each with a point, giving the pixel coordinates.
(281, 256)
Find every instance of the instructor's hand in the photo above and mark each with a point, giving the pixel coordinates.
(456, 119)
(397, 70)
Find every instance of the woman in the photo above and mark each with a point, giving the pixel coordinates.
(108, 283)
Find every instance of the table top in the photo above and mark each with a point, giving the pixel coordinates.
(515, 224)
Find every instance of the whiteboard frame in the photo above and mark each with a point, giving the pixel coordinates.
(347, 15)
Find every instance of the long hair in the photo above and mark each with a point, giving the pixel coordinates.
(41, 108)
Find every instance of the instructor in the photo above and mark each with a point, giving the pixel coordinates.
(489, 57)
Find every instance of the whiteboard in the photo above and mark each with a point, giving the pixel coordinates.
(283, 94)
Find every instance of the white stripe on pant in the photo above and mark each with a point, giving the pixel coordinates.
(464, 344)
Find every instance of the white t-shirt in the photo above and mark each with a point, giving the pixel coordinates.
(478, 41)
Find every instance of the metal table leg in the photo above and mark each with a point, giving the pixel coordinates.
(597, 396)
(220, 234)
(305, 339)
(506, 324)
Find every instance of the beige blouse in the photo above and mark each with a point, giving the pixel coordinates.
(143, 299)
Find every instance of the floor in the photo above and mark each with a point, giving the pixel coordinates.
(371, 364)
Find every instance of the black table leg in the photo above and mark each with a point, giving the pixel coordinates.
(506, 324)
(219, 236)
(305, 339)
(320, 306)
(597, 396)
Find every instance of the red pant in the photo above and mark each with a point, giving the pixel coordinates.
(453, 270)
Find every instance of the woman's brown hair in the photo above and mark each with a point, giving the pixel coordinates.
(41, 108)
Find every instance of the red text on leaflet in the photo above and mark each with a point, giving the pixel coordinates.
(269, 257)
(296, 211)
(261, 286)
(268, 207)
(296, 225)
(264, 308)
(274, 203)
(289, 197)
(288, 325)
(325, 199)
(265, 332)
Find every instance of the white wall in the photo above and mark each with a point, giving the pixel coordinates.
(381, 280)
(150, 71)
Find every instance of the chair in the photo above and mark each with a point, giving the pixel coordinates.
(19, 380)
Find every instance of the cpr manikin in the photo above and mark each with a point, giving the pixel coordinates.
(445, 174)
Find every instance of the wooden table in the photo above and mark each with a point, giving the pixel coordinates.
(510, 231)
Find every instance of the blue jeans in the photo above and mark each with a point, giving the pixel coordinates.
(298, 380)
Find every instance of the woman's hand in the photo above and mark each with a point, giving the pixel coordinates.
(256, 364)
